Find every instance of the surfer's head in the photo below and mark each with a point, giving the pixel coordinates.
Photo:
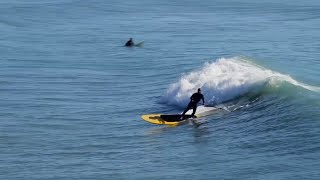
(199, 90)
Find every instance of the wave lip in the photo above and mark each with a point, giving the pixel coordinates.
(226, 79)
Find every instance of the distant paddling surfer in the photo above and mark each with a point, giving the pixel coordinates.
(130, 43)
(194, 99)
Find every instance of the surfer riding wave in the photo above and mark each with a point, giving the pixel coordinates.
(193, 104)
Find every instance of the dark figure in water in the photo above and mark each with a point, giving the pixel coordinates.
(130, 43)
(194, 99)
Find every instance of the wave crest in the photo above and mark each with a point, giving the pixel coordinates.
(224, 80)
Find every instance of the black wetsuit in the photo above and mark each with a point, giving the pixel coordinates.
(129, 43)
(195, 98)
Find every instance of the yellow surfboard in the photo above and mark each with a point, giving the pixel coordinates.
(175, 119)
(172, 120)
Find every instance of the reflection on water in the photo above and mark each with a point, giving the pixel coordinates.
(158, 130)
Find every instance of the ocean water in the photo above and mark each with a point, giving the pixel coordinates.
(71, 95)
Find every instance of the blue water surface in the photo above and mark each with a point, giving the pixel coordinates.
(71, 95)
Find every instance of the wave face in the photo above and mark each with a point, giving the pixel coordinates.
(226, 79)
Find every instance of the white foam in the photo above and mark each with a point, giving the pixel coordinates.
(224, 80)
(203, 110)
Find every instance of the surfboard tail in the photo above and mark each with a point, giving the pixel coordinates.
(140, 44)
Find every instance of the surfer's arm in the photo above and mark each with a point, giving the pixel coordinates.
(202, 100)
(192, 98)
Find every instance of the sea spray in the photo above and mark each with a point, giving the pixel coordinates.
(224, 80)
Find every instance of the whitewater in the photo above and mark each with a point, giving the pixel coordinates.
(226, 79)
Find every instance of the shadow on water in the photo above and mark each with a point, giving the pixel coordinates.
(202, 133)
(199, 128)
(158, 130)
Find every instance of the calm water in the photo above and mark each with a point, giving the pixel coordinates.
(71, 95)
